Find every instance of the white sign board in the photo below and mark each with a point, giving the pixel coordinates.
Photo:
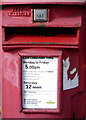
(39, 82)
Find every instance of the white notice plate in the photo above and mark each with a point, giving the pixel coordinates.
(39, 82)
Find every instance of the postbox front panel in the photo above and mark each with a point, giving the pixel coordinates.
(41, 71)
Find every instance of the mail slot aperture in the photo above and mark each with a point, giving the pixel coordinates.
(41, 36)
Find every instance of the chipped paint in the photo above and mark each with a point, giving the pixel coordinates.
(11, 69)
(34, 43)
(73, 71)
(69, 83)
(41, 25)
(40, 42)
(78, 25)
(51, 43)
(63, 43)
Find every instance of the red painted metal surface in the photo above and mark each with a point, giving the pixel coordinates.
(57, 19)
(67, 2)
(66, 38)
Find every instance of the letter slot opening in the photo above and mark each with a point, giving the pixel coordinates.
(41, 35)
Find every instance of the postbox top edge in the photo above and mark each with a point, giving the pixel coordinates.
(80, 2)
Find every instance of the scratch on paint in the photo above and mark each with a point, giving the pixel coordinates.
(69, 83)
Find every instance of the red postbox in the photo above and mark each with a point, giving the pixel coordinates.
(43, 60)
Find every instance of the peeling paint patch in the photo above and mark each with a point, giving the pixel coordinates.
(11, 69)
(73, 71)
(69, 83)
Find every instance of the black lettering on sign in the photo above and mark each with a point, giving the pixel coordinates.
(40, 15)
(28, 86)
